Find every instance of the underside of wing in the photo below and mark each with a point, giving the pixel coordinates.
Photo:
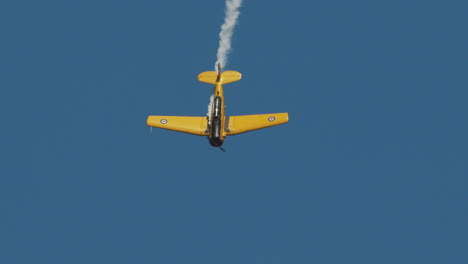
(241, 124)
(197, 125)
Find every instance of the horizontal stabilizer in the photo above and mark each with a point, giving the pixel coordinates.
(224, 78)
(241, 124)
(196, 125)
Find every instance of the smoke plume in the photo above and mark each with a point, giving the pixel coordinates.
(232, 13)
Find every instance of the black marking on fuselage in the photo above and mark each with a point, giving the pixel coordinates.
(217, 107)
(215, 126)
(215, 133)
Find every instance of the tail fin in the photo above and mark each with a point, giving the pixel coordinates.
(219, 77)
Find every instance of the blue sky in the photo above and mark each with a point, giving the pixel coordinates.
(371, 168)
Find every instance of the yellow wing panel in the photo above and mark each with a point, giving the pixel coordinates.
(241, 124)
(197, 125)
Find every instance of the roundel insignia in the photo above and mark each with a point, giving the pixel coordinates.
(163, 121)
(271, 118)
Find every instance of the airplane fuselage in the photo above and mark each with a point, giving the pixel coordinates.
(217, 118)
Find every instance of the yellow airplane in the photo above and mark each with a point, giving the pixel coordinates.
(216, 125)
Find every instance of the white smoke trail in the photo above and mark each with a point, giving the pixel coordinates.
(210, 106)
(225, 36)
(227, 29)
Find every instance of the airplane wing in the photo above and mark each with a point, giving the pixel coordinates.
(197, 125)
(240, 124)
